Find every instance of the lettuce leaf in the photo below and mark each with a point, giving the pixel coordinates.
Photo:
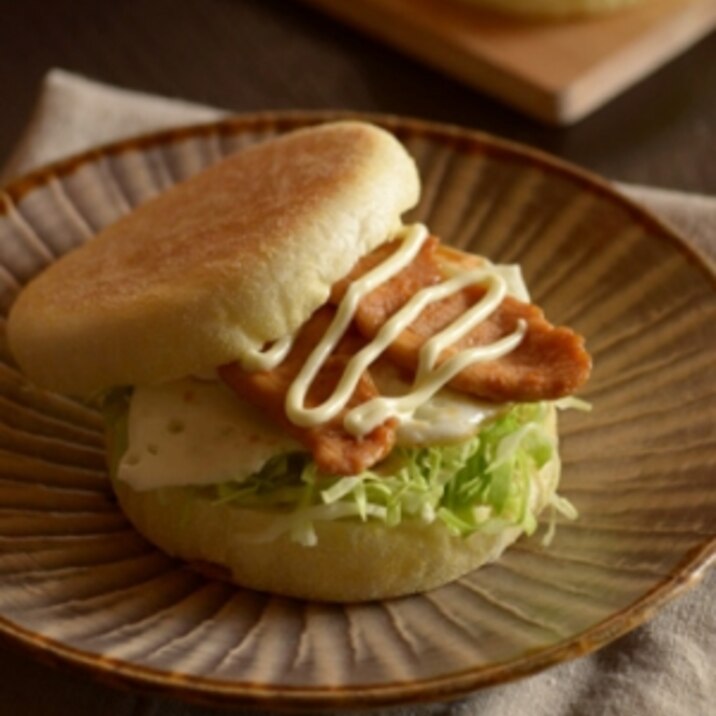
(485, 483)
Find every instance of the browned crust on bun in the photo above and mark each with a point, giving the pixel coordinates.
(238, 255)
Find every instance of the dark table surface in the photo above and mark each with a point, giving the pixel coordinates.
(250, 55)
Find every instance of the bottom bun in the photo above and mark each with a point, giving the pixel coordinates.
(353, 560)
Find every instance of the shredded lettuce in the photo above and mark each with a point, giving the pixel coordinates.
(485, 483)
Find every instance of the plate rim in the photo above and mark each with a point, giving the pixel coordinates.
(447, 687)
(122, 673)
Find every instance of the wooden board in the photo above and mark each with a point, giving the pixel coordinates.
(556, 71)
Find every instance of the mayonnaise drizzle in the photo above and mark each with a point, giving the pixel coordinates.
(428, 379)
(255, 359)
(367, 416)
(413, 239)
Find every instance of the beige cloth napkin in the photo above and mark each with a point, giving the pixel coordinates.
(666, 667)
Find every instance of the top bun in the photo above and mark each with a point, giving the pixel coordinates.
(236, 256)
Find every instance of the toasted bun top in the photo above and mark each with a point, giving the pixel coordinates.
(236, 256)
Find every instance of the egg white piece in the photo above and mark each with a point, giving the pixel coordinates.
(448, 417)
(512, 274)
(196, 432)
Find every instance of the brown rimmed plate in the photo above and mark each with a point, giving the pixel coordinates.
(78, 586)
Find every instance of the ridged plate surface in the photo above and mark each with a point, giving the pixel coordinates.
(79, 586)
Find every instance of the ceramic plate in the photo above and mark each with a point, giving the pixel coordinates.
(79, 586)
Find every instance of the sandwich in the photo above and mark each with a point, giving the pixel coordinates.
(303, 393)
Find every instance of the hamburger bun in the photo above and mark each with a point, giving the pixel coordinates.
(236, 256)
(352, 561)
